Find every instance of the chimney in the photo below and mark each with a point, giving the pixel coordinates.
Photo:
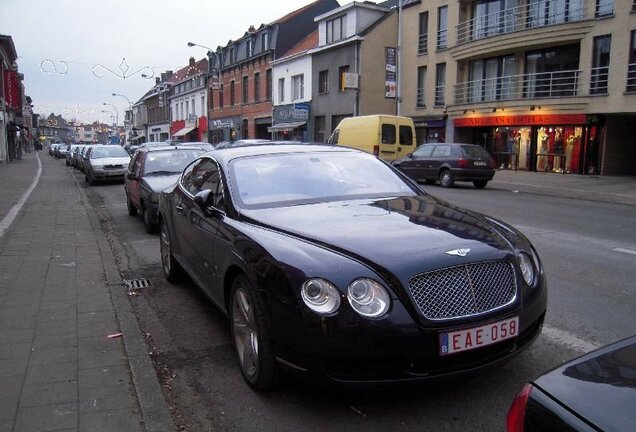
(157, 80)
(251, 29)
(191, 61)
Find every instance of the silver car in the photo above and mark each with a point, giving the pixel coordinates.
(70, 149)
(105, 163)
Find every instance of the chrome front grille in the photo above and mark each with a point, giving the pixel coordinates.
(466, 290)
(113, 166)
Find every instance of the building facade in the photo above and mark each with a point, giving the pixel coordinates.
(354, 65)
(188, 100)
(545, 86)
(241, 97)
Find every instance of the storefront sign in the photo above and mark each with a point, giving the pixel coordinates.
(12, 89)
(224, 123)
(390, 77)
(298, 112)
(522, 120)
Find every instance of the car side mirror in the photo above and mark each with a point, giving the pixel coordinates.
(202, 200)
(409, 155)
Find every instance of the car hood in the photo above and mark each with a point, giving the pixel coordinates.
(157, 183)
(396, 233)
(600, 386)
(111, 161)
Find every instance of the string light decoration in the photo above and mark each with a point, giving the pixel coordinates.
(61, 67)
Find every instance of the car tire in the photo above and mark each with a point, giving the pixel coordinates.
(132, 210)
(251, 335)
(446, 178)
(171, 268)
(148, 225)
(480, 184)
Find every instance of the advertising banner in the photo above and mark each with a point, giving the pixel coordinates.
(390, 77)
(12, 89)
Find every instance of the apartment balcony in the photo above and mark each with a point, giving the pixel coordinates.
(530, 25)
(560, 84)
(631, 78)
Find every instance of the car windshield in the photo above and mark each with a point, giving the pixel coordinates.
(108, 151)
(475, 152)
(303, 178)
(170, 161)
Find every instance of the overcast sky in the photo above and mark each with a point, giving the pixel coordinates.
(85, 33)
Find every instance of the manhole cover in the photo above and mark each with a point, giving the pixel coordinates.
(136, 284)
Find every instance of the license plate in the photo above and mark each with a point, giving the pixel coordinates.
(477, 163)
(477, 337)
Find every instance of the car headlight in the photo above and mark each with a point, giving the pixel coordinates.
(368, 298)
(320, 296)
(526, 267)
(99, 167)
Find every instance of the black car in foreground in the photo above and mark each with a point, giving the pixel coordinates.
(596, 392)
(151, 170)
(448, 163)
(333, 265)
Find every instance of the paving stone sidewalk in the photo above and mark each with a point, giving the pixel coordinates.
(60, 296)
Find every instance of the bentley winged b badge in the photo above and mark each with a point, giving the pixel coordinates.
(458, 252)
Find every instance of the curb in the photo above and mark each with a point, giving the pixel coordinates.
(154, 409)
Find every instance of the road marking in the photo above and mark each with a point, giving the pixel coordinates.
(568, 339)
(10, 217)
(627, 251)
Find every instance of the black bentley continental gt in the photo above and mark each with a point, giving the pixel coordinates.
(333, 265)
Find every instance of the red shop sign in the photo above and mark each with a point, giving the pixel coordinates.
(12, 89)
(522, 120)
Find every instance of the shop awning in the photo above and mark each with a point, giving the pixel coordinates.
(285, 127)
(184, 131)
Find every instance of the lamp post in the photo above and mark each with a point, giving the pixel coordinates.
(128, 122)
(213, 71)
(116, 111)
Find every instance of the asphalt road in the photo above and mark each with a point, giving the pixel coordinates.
(591, 303)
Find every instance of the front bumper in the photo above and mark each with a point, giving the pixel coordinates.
(114, 175)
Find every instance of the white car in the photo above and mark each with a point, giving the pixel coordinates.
(105, 163)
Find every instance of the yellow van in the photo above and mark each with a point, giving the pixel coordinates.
(377, 134)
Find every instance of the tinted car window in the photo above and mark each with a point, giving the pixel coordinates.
(424, 151)
(108, 151)
(442, 151)
(388, 134)
(475, 152)
(406, 135)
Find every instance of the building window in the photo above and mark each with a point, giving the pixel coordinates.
(268, 84)
(221, 96)
(440, 84)
(281, 90)
(600, 64)
(265, 41)
(540, 13)
(421, 86)
(202, 106)
(257, 87)
(232, 100)
(245, 89)
(422, 44)
(232, 55)
(298, 87)
(341, 80)
(336, 29)
(250, 47)
(211, 100)
(604, 7)
(631, 67)
(552, 72)
(491, 79)
(194, 110)
(442, 28)
(244, 133)
(323, 82)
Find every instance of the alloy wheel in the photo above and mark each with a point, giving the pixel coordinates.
(245, 332)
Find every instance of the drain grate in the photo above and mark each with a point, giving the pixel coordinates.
(137, 284)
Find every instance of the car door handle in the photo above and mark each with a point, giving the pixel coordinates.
(179, 208)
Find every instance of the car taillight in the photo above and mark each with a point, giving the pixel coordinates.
(517, 411)
(376, 150)
(463, 163)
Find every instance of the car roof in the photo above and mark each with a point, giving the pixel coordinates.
(276, 147)
(168, 147)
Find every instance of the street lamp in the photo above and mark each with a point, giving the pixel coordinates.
(213, 71)
(127, 100)
(112, 117)
(116, 111)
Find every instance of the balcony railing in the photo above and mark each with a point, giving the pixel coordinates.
(599, 79)
(631, 78)
(526, 86)
(422, 46)
(442, 39)
(420, 98)
(439, 96)
(518, 18)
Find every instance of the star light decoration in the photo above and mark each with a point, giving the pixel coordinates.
(122, 71)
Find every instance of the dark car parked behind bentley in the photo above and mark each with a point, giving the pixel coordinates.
(448, 163)
(331, 264)
(596, 392)
(151, 170)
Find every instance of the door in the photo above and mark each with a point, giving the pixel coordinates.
(440, 155)
(406, 144)
(416, 167)
(132, 186)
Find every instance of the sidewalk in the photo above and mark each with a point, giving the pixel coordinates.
(60, 296)
(608, 189)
